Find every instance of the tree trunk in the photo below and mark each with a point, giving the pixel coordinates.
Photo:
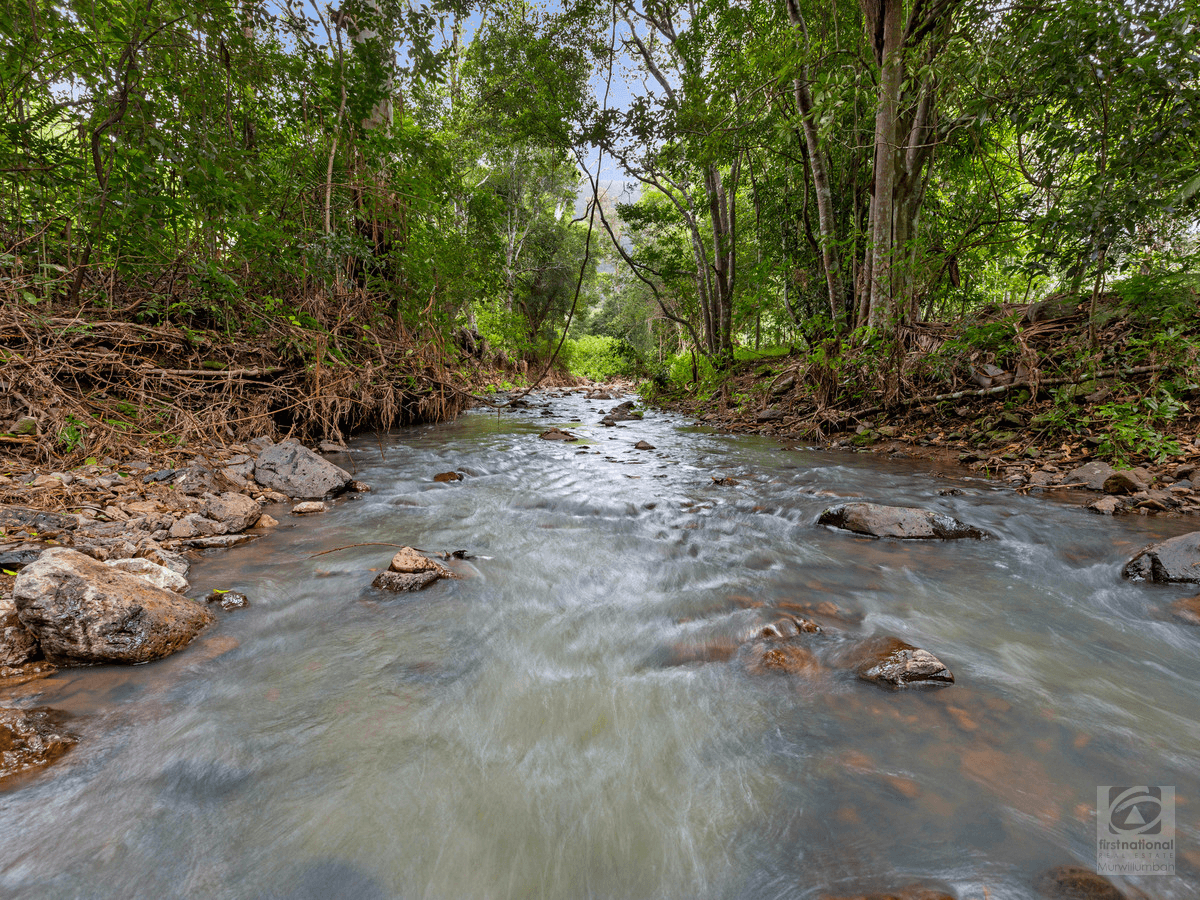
(889, 39)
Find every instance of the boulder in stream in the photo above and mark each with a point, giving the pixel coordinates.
(401, 582)
(31, 739)
(902, 522)
(408, 561)
(892, 663)
(84, 612)
(557, 434)
(764, 657)
(1174, 560)
(308, 508)
(291, 468)
(446, 477)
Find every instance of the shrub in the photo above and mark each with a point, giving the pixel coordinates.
(600, 358)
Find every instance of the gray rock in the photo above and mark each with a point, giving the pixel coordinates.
(1175, 560)
(25, 425)
(1105, 506)
(897, 522)
(23, 517)
(196, 525)
(160, 475)
(151, 572)
(1092, 474)
(219, 541)
(31, 739)
(292, 469)
(400, 582)
(1125, 481)
(894, 664)
(308, 508)
(82, 611)
(229, 599)
(16, 555)
(194, 480)
(236, 512)
(770, 415)
(17, 644)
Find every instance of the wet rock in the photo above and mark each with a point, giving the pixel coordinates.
(1078, 883)
(160, 475)
(229, 599)
(292, 469)
(358, 487)
(643, 445)
(331, 447)
(82, 611)
(17, 644)
(409, 561)
(196, 525)
(400, 582)
(897, 522)
(892, 663)
(308, 508)
(1091, 475)
(763, 657)
(14, 556)
(557, 434)
(236, 512)
(724, 481)
(159, 576)
(31, 739)
(1187, 610)
(445, 477)
(1105, 506)
(1126, 481)
(1175, 560)
(266, 521)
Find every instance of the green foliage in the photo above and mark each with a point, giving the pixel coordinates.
(1129, 427)
(600, 358)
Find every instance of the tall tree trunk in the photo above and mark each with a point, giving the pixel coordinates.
(888, 22)
(826, 224)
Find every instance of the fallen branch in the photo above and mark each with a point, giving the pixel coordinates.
(998, 389)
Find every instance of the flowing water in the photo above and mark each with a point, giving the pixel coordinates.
(534, 729)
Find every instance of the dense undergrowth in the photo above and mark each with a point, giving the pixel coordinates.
(1120, 380)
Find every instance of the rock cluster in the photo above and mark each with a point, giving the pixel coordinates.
(410, 571)
(622, 412)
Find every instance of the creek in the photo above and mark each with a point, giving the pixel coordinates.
(521, 733)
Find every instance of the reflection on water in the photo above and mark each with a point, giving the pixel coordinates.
(538, 728)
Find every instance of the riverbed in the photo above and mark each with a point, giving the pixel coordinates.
(529, 730)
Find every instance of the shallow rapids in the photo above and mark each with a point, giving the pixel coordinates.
(520, 732)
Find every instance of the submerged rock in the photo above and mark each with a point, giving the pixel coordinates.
(293, 469)
(31, 739)
(911, 892)
(82, 611)
(445, 477)
(229, 599)
(1187, 610)
(400, 582)
(892, 663)
(902, 522)
(764, 657)
(1078, 883)
(1175, 560)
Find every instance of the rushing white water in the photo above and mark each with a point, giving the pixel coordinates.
(518, 733)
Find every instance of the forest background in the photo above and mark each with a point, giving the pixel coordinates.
(219, 213)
